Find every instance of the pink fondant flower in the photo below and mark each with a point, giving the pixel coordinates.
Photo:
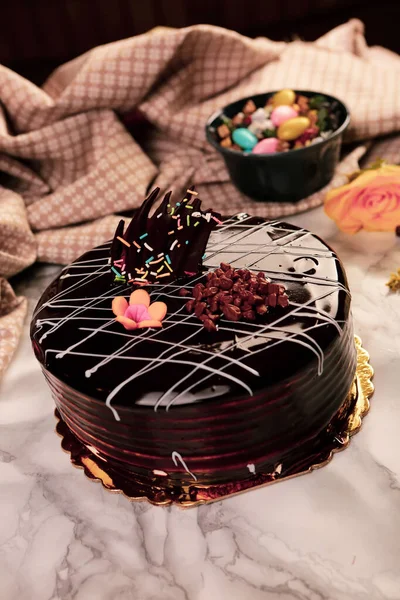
(139, 313)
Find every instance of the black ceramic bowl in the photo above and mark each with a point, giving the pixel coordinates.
(284, 176)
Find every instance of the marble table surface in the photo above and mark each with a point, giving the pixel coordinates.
(330, 535)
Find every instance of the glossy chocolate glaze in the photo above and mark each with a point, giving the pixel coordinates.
(196, 405)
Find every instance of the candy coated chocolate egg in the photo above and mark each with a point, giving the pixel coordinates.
(244, 138)
(284, 97)
(266, 146)
(293, 128)
(283, 113)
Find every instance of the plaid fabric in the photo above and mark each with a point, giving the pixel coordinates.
(66, 158)
(12, 315)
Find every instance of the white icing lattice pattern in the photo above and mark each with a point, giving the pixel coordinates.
(283, 253)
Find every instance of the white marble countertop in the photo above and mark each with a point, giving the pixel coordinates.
(330, 535)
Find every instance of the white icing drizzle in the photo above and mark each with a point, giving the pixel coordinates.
(245, 246)
(75, 286)
(174, 361)
(293, 338)
(130, 345)
(177, 457)
(132, 341)
(94, 332)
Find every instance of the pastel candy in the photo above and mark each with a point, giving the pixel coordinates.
(258, 115)
(266, 146)
(284, 97)
(280, 114)
(293, 128)
(257, 127)
(244, 138)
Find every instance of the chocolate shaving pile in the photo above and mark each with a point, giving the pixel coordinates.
(234, 294)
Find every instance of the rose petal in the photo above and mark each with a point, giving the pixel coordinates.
(371, 201)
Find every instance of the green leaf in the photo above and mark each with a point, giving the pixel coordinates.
(317, 101)
(227, 121)
(269, 133)
(323, 121)
(377, 164)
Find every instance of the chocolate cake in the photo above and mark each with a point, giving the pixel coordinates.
(235, 350)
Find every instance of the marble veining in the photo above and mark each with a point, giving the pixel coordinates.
(331, 535)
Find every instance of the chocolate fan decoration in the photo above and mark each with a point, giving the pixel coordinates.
(169, 244)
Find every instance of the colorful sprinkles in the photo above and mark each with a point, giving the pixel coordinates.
(123, 241)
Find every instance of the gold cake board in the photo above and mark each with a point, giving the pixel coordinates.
(335, 438)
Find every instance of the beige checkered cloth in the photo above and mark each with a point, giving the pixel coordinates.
(68, 163)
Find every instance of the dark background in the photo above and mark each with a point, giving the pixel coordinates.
(38, 35)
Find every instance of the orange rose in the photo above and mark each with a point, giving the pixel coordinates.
(370, 202)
